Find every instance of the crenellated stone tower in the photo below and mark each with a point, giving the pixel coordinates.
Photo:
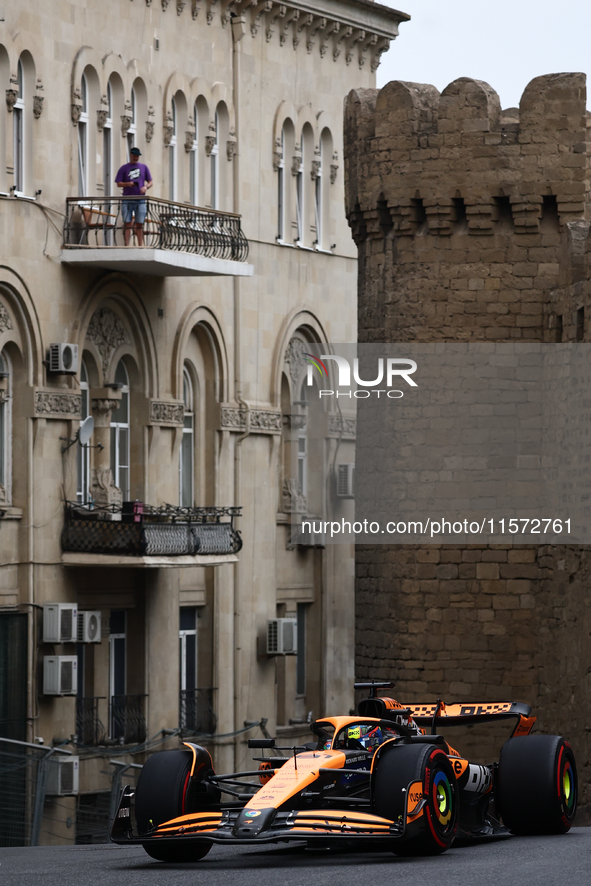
(472, 224)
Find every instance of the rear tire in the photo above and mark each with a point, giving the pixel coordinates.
(537, 785)
(160, 796)
(429, 764)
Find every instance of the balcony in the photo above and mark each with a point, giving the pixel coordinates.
(89, 728)
(196, 714)
(179, 240)
(136, 534)
(127, 719)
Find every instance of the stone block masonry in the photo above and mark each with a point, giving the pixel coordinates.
(472, 224)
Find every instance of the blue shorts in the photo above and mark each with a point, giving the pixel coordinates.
(131, 206)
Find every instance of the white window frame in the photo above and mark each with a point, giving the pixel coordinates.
(112, 693)
(214, 159)
(116, 449)
(194, 163)
(281, 195)
(318, 198)
(132, 131)
(83, 452)
(108, 146)
(300, 204)
(183, 634)
(172, 158)
(19, 134)
(6, 431)
(302, 450)
(83, 146)
(188, 431)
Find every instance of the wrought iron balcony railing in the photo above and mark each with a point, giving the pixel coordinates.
(89, 728)
(127, 719)
(196, 711)
(98, 222)
(139, 530)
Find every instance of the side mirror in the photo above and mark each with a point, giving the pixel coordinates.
(261, 742)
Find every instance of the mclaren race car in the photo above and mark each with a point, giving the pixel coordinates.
(385, 776)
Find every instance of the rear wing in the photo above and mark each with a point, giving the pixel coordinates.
(438, 714)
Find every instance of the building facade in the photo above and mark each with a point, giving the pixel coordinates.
(472, 224)
(182, 335)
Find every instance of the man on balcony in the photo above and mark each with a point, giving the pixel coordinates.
(134, 178)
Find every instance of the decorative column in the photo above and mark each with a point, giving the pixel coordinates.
(102, 485)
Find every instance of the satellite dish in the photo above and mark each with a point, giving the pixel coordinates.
(86, 429)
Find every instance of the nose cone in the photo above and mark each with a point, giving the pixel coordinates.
(251, 822)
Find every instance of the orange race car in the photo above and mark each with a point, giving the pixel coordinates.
(376, 777)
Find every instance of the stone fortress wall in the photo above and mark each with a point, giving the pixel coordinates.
(472, 224)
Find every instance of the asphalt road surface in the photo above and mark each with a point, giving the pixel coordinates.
(517, 861)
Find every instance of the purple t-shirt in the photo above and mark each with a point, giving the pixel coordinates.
(138, 173)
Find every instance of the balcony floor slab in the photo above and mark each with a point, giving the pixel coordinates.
(71, 559)
(155, 262)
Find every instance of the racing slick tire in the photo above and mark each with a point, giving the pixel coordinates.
(537, 785)
(161, 795)
(427, 763)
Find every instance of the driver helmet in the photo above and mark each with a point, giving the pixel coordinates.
(371, 737)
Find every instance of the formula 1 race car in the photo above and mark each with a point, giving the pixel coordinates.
(376, 777)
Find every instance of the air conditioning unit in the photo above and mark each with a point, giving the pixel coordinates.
(63, 358)
(345, 476)
(89, 627)
(60, 622)
(282, 636)
(306, 538)
(60, 675)
(62, 775)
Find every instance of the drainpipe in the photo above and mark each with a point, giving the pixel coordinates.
(238, 31)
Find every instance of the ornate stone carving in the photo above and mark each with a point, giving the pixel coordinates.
(331, 29)
(365, 45)
(277, 153)
(334, 168)
(210, 138)
(76, 106)
(231, 149)
(318, 25)
(262, 421)
(126, 118)
(38, 99)
(106, 332)
(232, 419)
(61, 405)
(189, 140)
(258, 11)
(165, 4)
(5, 321)
(381, 47)
(292, 499)
(291, 18)
(339, 426)
(342, 36)
(296, 162)
(294, 357)
(167, 412)
(316, 165)
(358, 37)
(103, 489)
(12, 93)
(150, 124)
(168, 130)
(3, 395)
(279, 12)
(195, 7)
(180, 5)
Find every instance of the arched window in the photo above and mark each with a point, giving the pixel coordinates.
(108, 146)
(321, 169)
(303, 444)
(318, 195)
(194, 162)
(172, 158)
(120, 434)
(187, 454)
(83, 140)
(83, 452)
(299, 173)
(132, 131)
(214, 159)
(5, 428)
(18, 121)
(281, 201)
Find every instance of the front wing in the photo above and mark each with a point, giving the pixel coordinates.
(228, 826)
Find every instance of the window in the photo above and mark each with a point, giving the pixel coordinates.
(300, 204)
(132, 131)
(108, 146)
(188, 667)
(18, 120)
(120, 434)
(303, 448)
(83, 140)
(117, 672)
(83, 452)
(214, 159)
(172, 158)
(318, 197)
(281, 201)
(187, 454)
(5, 428)
(194, 164)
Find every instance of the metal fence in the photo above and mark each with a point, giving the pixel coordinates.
(128, 722)
(98, 222)
(196, 714)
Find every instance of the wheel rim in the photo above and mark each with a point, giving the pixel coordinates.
(442, 800)
(568, 786)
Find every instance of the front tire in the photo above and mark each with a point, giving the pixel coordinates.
(537, 785)
(400, 766)
(161, 795)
